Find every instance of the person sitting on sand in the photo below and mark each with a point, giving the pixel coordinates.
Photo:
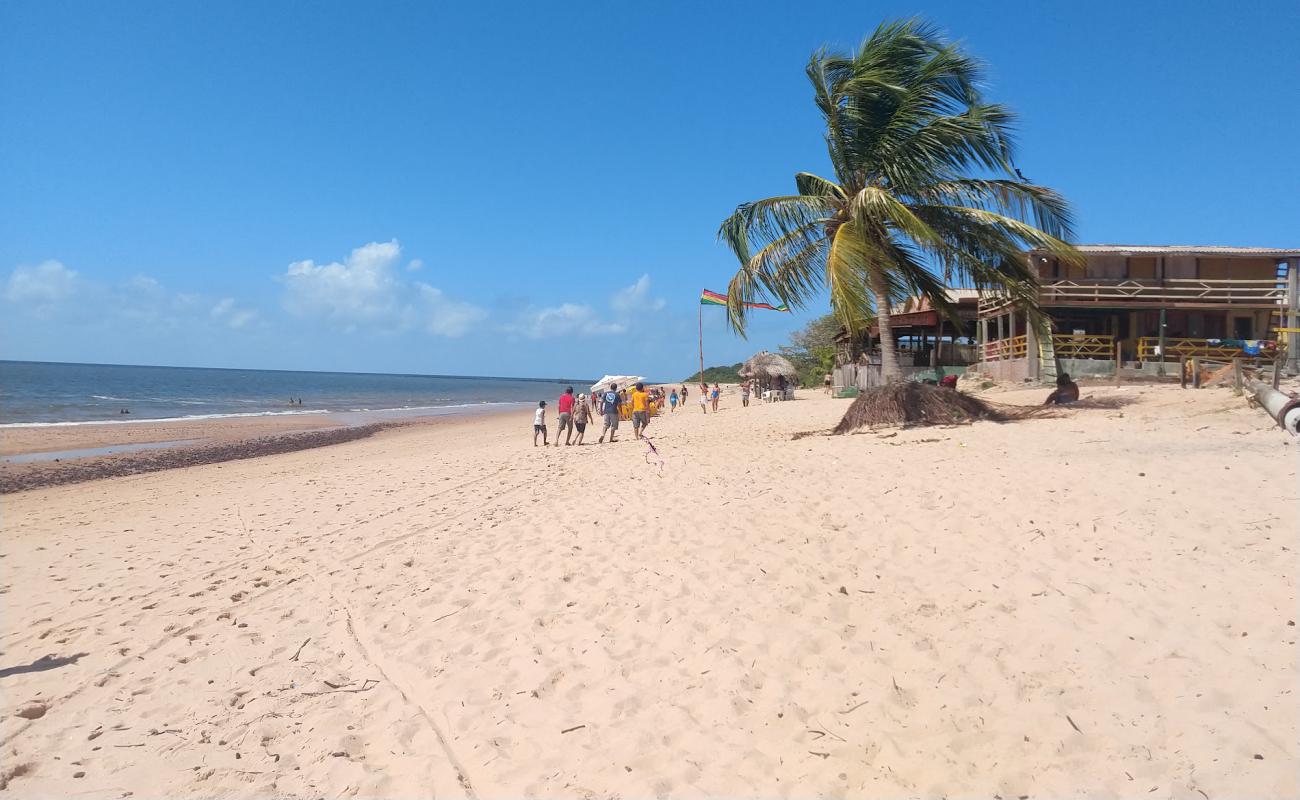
(565, 417)
(613, 401)
(640, 410)
(1067, 391)
(581, 413)
(539, 423)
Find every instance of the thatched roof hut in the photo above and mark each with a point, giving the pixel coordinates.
(767, 368)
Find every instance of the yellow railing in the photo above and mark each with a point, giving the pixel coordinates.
(1068, 345)
(1004, 349)
(1149, 348)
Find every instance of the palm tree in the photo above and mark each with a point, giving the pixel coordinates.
(924, 183)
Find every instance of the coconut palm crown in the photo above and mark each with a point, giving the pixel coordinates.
(924, 183)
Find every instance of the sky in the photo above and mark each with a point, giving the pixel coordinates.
(534, 189)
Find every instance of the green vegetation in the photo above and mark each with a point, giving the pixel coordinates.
(924, 179)
(729, 374)
(812, 350)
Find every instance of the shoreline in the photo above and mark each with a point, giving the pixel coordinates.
(174, 445)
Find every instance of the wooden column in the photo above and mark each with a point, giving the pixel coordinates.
(1160, 365)
(1293, 314)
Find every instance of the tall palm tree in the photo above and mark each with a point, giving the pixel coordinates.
(925, 183)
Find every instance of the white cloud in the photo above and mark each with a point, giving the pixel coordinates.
(366, 290)
(415, 265)
(52, 291)
(446, 317)
(636, 297)
(564, 320)
(226, 311)
(41, 286)
(362, 289)
(570, 319)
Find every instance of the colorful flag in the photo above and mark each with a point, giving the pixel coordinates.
(708, 298)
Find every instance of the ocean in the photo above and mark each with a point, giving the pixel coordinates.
(39, 393)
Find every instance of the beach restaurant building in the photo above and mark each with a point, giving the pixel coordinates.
(1140, 305)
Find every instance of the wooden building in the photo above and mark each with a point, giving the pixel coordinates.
(1137, 304)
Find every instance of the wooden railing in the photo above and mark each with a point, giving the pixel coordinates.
(1067, 345)
(1005, 349)
(1149, 349)
(1170, 291)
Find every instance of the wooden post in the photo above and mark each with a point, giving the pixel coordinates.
(1277, 371)
(1196, 372)
(1293, 314)
(1182, 372)
(1236, 375)
(1117, 364)
(1160, 366)
(701, 342)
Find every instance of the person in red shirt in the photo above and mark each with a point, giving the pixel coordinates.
(566, 417)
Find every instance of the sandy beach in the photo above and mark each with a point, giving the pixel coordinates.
(1101, 603)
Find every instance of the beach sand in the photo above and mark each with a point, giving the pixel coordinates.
(1097, 604)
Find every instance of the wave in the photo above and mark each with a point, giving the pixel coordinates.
(238, 414)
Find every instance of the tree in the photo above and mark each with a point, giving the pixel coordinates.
(924, 181)
(812, 349)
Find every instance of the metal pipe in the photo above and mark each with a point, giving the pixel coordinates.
(1283, 408)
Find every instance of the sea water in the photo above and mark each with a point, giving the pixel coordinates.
(39, 393)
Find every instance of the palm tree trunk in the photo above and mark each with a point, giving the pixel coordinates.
(889, 369)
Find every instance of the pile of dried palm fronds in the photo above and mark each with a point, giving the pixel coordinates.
(911, 403)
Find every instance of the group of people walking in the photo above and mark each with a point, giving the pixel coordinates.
(576, 411)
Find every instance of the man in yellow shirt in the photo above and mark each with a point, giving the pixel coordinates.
(640, 409)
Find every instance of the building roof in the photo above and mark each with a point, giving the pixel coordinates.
(1183, 250)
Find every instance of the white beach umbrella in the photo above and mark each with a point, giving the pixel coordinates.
(622, 380)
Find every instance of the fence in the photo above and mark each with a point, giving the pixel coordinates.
(1067, 345)
(1003, 349)
(1149, 349)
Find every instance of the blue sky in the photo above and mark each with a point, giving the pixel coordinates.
(534, 189)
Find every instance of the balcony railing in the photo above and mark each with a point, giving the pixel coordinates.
(1067, 345)
(1170, 291)
(1005, 349)
(1149, 349)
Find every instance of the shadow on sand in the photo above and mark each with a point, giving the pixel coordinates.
(42, 664)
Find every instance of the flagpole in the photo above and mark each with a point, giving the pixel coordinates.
(701, 341)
